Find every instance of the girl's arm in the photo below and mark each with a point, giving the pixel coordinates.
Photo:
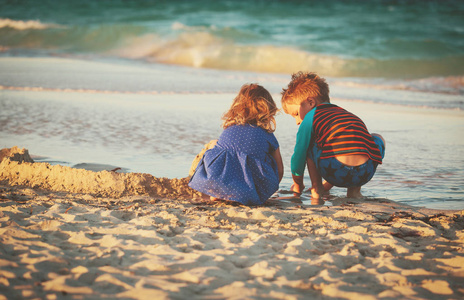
(280, 165)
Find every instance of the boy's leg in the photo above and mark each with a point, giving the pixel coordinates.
(327, 185)
(317, 189)
(354, 192)
(381, 138)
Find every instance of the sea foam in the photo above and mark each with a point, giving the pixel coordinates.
(25, 25)
(208, 49)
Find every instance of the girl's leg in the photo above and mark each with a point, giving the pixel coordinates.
(199, 156)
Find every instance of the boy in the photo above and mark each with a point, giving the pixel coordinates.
(333, 142)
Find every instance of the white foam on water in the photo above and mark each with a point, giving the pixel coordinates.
(26, 24)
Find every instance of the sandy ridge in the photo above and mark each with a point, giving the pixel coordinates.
(19, 169)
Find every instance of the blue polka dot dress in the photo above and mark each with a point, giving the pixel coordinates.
(240, 167)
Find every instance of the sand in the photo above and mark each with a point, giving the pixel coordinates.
(79, 234)
(82, 181)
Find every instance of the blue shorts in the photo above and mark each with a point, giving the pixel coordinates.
(338, 174)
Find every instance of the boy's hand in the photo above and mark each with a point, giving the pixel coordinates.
(297, 189)
(298, 185)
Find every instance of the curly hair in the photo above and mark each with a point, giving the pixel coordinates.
(253, 105)
(305, 85)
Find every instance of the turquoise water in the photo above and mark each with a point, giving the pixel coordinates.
(388, 39)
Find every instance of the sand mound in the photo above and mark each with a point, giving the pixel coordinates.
(16, 154)
(17, 168)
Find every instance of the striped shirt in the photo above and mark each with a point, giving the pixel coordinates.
(336, 132)
(339, 132)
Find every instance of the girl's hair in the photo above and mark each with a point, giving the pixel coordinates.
(253, 105)
(305, 85)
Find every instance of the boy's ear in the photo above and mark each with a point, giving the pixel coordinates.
(311, 102)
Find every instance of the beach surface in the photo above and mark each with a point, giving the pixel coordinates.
(114, 99)
(79, 234)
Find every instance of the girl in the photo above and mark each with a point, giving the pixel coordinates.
(245, 165)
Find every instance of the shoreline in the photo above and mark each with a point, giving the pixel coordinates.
(17, 169)
(139, 134)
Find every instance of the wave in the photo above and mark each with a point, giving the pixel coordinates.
(215, 48)
(206, 50)
(74, 90)
(453, 85)
(25, 25)
(101, 91)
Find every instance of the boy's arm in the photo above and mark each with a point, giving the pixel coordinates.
(298, 162)
(303, 138)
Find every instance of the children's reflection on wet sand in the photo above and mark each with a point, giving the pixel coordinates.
(304, 198)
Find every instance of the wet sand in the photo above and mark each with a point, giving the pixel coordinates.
(156, 120)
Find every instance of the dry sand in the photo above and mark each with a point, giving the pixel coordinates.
(78, 234)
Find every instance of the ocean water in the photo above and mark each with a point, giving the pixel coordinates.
(142, 84)
(368, 39)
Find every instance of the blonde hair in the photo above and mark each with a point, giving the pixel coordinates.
(254, 106)
(305, 85)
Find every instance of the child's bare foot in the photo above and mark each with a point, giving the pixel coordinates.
(354, 192)
(325, 188)
(317, 201)
(317, 192)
